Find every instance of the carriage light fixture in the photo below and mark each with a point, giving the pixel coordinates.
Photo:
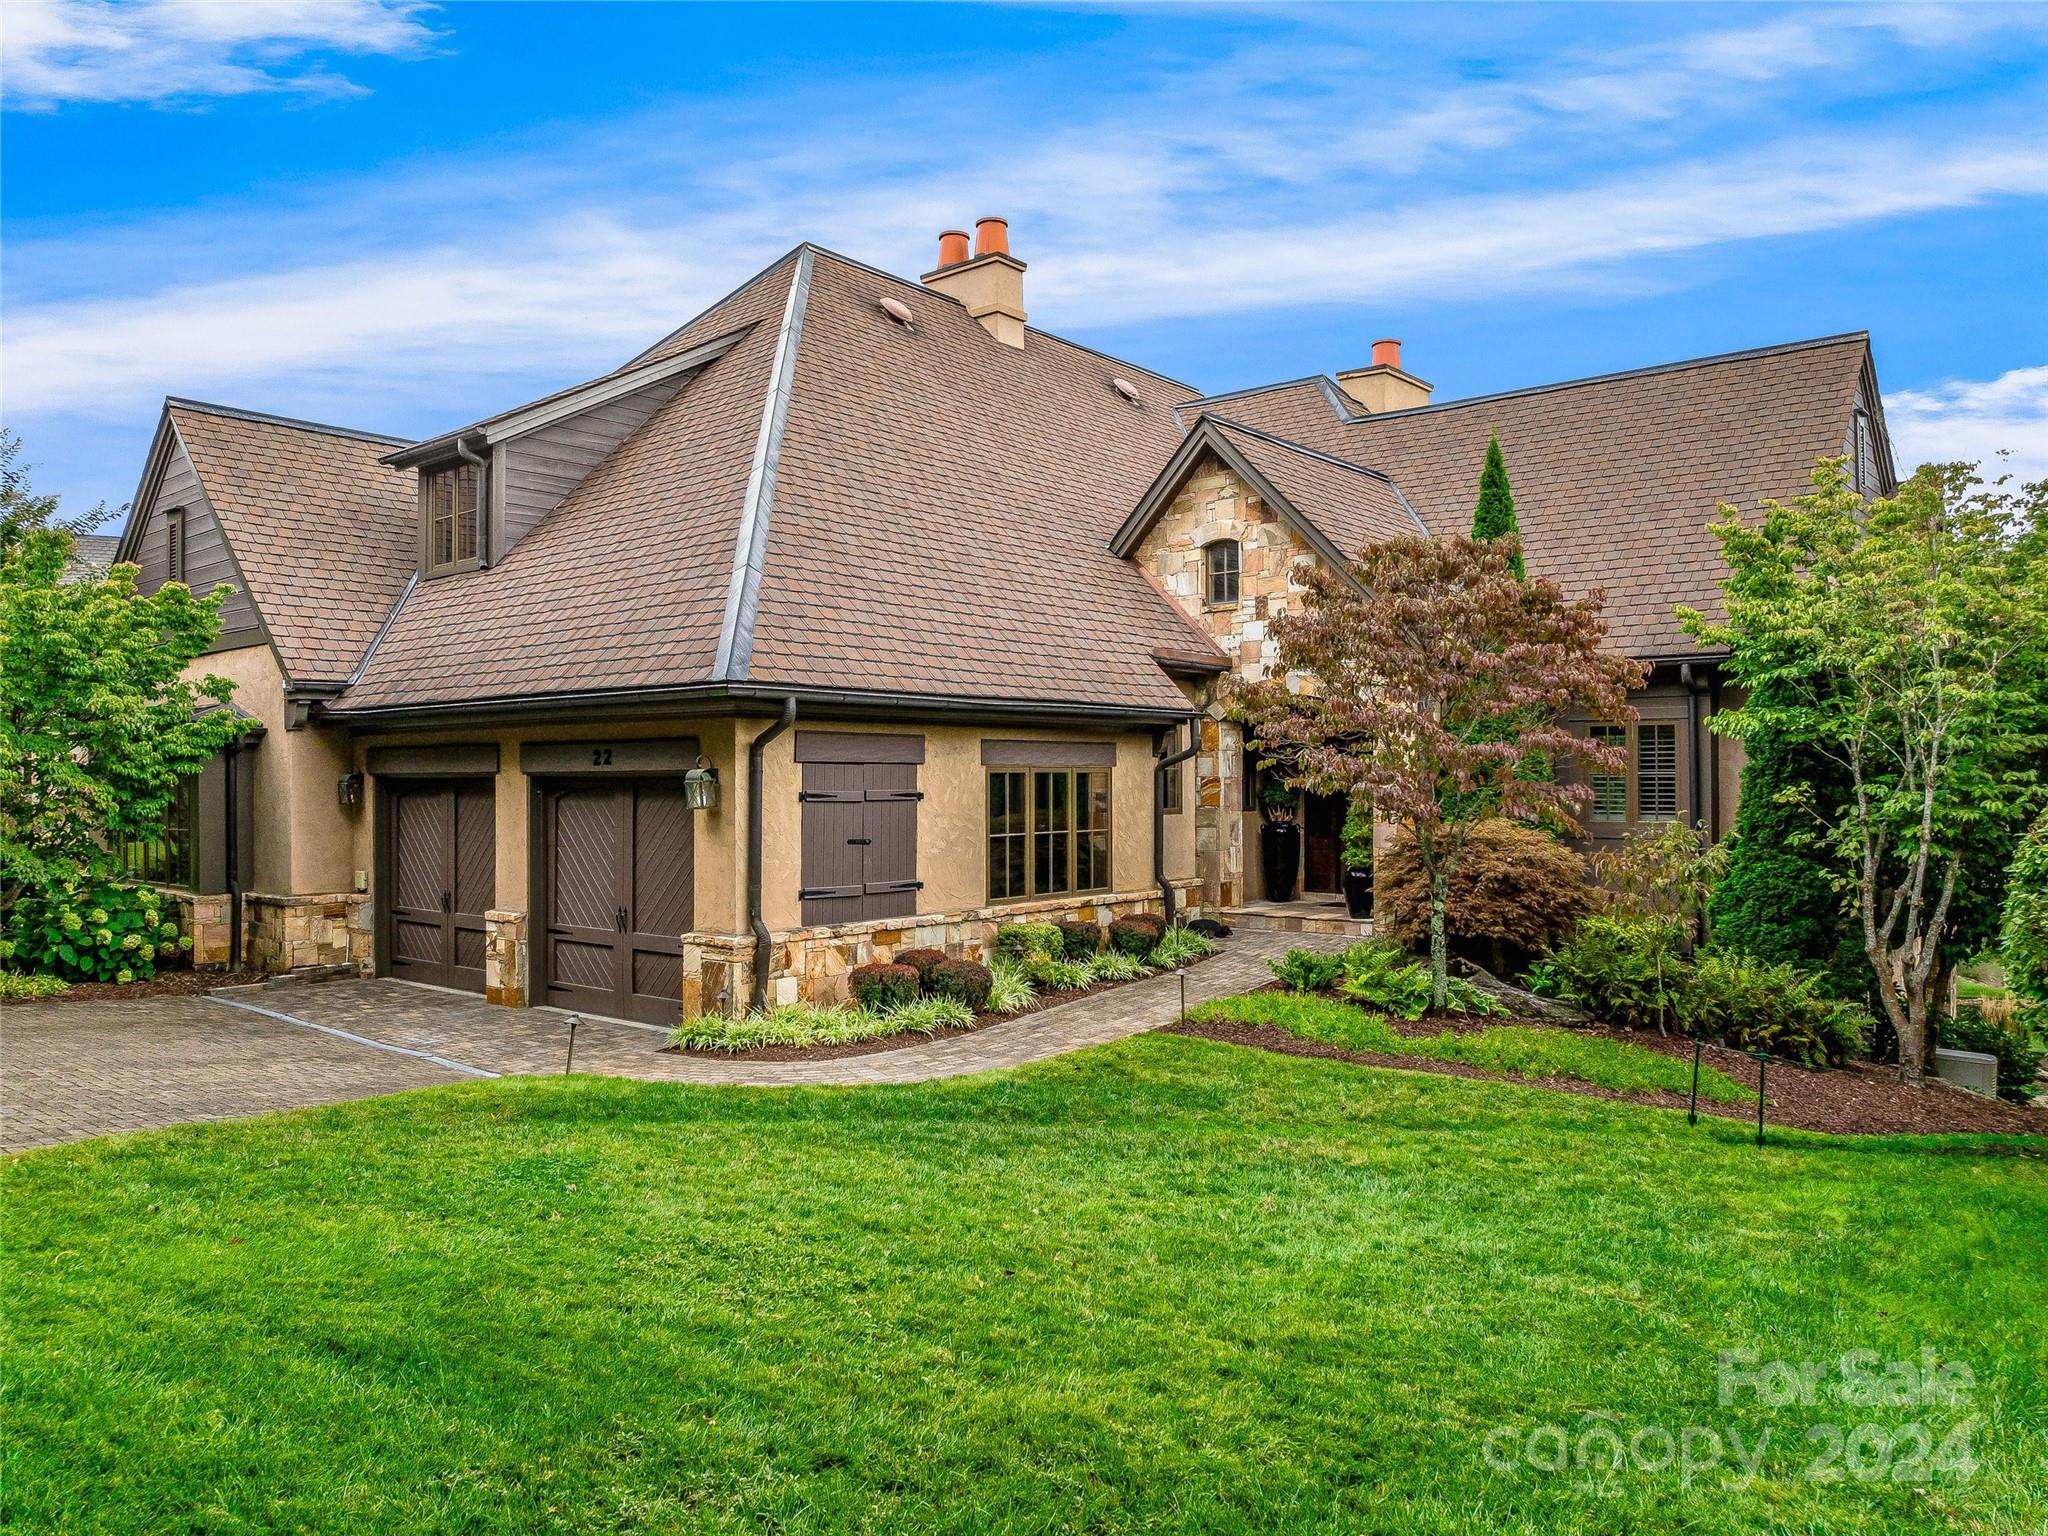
(350, 789)
(700, 787)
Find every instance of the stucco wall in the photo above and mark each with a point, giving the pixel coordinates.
(259, 690)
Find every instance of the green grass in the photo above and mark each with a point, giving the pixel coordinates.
(1166, 1285)
(1519, 1049)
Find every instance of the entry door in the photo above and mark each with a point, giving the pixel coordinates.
(620, 895)
(1322, 843)
(444, 869)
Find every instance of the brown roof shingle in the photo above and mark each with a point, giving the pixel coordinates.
(1350, 504)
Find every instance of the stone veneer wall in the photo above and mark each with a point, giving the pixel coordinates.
(286, 932)
(505, 958)
(205, 920)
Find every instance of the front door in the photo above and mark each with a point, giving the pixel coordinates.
(620, 895)
(443, 862)
(1322, 843)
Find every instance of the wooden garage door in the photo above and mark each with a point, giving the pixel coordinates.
(620, 895)
(443, 864)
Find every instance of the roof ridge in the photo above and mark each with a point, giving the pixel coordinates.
(240, 413)
(735, 655)
(1301, 448)
(646, 352)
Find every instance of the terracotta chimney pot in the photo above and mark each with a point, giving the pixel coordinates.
(1386, 353)
(952, 247)
(991, 237)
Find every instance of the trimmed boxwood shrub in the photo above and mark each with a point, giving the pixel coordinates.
(964, 981)
(1150, 920)
(1127, 935)
(1029, 939)
(879, 988)
(1079, 940)
(924, 962)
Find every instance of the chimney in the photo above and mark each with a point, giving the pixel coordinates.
(1385, 386)
(990, 283)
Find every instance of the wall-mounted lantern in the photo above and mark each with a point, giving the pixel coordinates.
(349, 788)
(700, 787)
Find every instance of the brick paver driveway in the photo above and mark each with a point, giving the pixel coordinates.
(71, 1070)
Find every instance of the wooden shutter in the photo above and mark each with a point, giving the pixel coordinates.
(889, 883)
(859, 842)
(174, 544)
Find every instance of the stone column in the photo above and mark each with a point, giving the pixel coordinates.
(505, 959)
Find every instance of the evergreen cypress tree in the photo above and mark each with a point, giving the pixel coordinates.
(1494, 517)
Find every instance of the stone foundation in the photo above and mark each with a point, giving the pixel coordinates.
(283, 933)
(505, 958)
(810, 964)
(204, 919)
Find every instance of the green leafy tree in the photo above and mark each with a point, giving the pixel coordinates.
(98, 722)
(2024, 935)
(1901, 637)
(1423, 676)
(1494, 517)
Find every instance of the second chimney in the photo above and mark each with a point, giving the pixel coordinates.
(1384, 385)
(990, 283)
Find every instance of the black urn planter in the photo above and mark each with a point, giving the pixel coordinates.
(1280, 853)
(1358, 892)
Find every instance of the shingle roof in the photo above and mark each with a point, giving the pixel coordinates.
(935, 522)
(1615, 478)
(324, 534)
(1352, 504)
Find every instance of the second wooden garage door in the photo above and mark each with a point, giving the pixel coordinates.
(620, 894)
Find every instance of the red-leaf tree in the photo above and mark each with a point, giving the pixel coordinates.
(1423, 676)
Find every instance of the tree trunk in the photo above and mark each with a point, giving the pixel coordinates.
(1439, 945)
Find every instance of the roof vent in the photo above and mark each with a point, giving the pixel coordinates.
(1125, 388)
(896, 310)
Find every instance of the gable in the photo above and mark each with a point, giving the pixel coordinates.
(177, 509)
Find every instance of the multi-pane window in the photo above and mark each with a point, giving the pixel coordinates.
(451, 516)
(1048, 831)
(1170, 793)
(1657, 772)
(1221, 563)
(1610, 790)
(166, 859)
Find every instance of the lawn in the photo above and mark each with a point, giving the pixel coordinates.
(1166, 1285)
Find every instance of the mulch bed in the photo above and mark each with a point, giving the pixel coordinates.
(164, 984)
(882, 1043)
(1859, 1099)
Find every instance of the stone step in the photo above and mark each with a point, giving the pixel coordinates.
(1297, 917)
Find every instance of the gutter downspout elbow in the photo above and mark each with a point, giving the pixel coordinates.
(1159, 772)
(762, 942)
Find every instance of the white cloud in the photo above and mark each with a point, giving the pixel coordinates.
(54, 51)
(1975, 420)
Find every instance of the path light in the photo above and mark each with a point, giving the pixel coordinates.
(1692, 1110)
(700, 787)
(1182, 972)
(570, 1065)
(1761, 1058)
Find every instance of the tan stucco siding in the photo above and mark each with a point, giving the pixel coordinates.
(259, 691)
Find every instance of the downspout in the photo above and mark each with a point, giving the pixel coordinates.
(1159, 771)
(483, 490)
(231, 782)
(762, 944)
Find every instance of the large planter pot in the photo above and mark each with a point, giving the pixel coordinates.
(1358, 892)
(1280, 853)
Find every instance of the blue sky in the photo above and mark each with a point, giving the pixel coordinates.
(403, 217)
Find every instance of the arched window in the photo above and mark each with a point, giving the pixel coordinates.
(1220, 564)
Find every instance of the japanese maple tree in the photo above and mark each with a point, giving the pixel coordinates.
(1423, 675)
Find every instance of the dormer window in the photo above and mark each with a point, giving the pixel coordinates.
(1220, 565)
(450, 498)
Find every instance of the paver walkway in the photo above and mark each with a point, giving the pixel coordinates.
(72, 1070)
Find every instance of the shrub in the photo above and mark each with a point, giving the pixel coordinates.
(924, 962)
(1610, 967)
(1778, 899)
(1056, 975)
(1022, 939)
(2023, 926)
(112, 933)
(1130, 936)
(1115, 965)
(1079, 940)
(1009, 988)
(1307, 970)
(2001, 1032)
(792, 1024)
(928, 1015)
(1761, 1005)
(1177, 946)
(15, 986)
(879, 988)
(960, 981)
(1381, 975)
(1515, 888)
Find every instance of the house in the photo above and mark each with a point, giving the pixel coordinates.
(857, 613)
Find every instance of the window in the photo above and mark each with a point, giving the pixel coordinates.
(167, 858)
(1610, 790)
(451, 516)
(174, 544)
(1220, 566)
(1657, 772)
(1048, 831)
(1170, 796)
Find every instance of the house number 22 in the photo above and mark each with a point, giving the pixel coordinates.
(600, 757)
